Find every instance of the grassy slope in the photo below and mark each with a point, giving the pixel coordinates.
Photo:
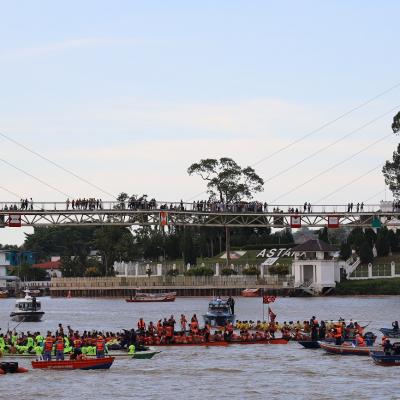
(369, 287)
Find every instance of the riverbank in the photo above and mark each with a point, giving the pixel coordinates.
(389, 286)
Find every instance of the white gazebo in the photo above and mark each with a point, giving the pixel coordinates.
(315, 266)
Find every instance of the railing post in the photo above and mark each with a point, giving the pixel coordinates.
(392, 268)
(369, 270)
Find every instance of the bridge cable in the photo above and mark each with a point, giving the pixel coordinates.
(321, 127)
(323, 148)
(34, 177)
(330, 168)
(55, 164)
(349, 183)
(325, 125)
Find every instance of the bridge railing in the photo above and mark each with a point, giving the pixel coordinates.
(213, 207)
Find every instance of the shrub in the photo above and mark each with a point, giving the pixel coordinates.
(251, 271)
(92, 272)
(228, 272)
(172, 272)
(200, 271)
(278, 270)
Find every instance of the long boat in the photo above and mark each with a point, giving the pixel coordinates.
(346, 349)
(392, 333)
(226, 343)
(386, 360)
(152, 297)
(86, 363)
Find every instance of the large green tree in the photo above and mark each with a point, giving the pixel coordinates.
(396, 123)
(227, 182)
(391, 172)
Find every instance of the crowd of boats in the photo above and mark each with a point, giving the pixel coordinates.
(68, 348)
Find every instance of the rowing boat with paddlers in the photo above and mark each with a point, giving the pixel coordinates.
(86, 363)
(347, 349)
(226, 343)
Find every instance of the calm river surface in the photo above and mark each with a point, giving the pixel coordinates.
(234, 372)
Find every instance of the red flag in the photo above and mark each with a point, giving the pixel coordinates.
(163, 218)
(295, 221)
(333, 221)
(14, 220)
(268, 299)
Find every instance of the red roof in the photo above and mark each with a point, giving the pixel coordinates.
(48, 265)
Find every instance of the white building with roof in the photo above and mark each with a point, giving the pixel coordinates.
(315, 266)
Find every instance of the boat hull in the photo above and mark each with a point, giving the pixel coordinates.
(309, 344)
(33, 316)
(251, 293)
(151, 300)
(85, 364)
(380, 358)
(395, 334)
(346, 349)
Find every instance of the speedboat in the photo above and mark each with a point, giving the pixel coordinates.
(152, 297)
(27, 309)
(219, 313)
(392, 333)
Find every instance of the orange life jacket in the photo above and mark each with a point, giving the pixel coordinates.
(60, 345)
(100, 345)
(77, 343)
(48, 344)
(141, 324)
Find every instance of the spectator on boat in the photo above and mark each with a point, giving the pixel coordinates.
(100, 347)
(48, 348)
(387, 347)
(183, 323)
(338, 334)
(314, 328)
(360, 341)
(395, 325)
(60, 349)
(141, 326)
(231, 304)
(322, 330)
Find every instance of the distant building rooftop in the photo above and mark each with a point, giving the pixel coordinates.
(48, 265)
(315, 245)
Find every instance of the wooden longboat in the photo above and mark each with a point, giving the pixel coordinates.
(86, 364)
(346, 349)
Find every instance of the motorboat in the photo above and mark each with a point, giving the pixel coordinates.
(219, 313)
(347, 349)
(251, 293)
(27, 309)
(3, 294)
(152, 297)
(87, 363)
(392, 333)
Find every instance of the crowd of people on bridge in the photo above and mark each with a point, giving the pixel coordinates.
(90, 204)
(356, 207)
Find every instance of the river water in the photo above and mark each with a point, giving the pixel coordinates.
(233, 372)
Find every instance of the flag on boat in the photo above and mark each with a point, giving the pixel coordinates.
(268, 299)
(295, 221)
(333, 221)
(14, 220)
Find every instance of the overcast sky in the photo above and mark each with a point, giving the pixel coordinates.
(127, 94)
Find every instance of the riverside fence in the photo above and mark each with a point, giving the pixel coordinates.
(183, 285)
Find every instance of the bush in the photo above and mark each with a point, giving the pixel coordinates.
(200, 271)
(172, 272)
(228, 272)
(278, 270)
(251, 271)
(92, 272)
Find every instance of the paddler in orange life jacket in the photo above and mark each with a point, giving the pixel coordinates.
(100, 347)
(60, 349)
(48, 348)
(360, 341)
(141, 325)
(77, 342)
(338, 334)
